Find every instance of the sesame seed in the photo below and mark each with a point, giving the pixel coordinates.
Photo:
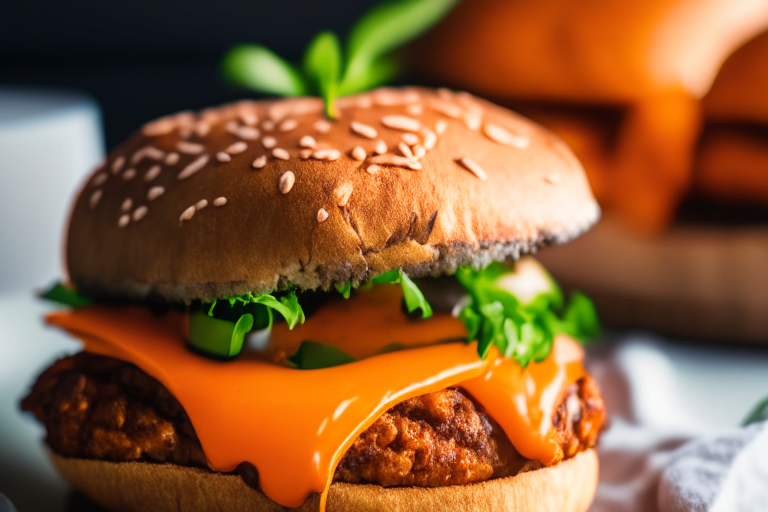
(288, 125)
(381, 147)
(444, 93)
(260, 162)
(364, 130)
(405, 150)
(202, 128)
(410, 138)
(152, 173)
(244, 132)
(187, 214)
(307, 141)
(430, 139)
(552, 178)
(305, 153)
(201, 204)
(326, 154)
(185, 132)
(321, 215)
(447, 109)
(129, 174)
(147, 152)
(236, 148)
(223, 157)
(127, 204)
(473, 121)
(373, 169)
(117, 165)
(123, 220)
(139, 213)
(415, 109)
(472, 167)
(193, 167)
(269, 142)
(268, 125)
(232, 126)
(190, 148)
(220, 201)
(154, 193)
(95, 198)
(419, 151)
(441, 126)
(342, 193)
(500, 135)
(281, 154)
(172, 159)
(159, 127)
(359, 153)
(406, 124)
(322, 126)
(286, 182)
(400, 161)
(99, 179)
(249, 118)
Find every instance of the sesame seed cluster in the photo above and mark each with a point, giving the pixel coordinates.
(294, 129)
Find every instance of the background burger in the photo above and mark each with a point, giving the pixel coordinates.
(279, 308)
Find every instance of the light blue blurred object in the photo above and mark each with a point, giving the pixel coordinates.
(49, 140)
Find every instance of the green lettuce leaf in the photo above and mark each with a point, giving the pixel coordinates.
(256, 67)
(523, 331)
(312, 356)
(322, 66)
(758, 413)
(65, 295)
(221, 339)
(287, 305)
(386, 27)
(413, 297)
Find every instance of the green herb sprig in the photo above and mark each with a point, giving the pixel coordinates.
(413, 297)
(525, 332)
(758, 413)
(65, 295)
(287, 305)
(326, 69)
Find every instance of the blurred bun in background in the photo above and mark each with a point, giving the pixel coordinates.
(732, 163)
(666, 105)
(649, 61)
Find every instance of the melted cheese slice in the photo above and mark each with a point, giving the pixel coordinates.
(295, 425)
(366, 324)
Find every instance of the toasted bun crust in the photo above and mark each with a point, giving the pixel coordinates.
(137, 486)
(135, 231)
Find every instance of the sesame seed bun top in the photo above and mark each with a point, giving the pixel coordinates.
(255, 195)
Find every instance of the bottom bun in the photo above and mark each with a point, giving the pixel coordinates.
(138, 486)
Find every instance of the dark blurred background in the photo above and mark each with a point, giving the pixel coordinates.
(145, 58)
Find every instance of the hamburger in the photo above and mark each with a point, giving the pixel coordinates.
(283, 310)
(631, 109)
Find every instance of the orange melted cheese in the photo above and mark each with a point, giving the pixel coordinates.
(366, 324)
(295, 425)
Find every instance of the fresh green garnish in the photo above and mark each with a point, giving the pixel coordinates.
(218, 338)
(413, 297)
(521, 329)
(287, 305)
(312, 356)
(65, 295)
(328, 71)
(758, 413)
(344, 289)
(219, 329)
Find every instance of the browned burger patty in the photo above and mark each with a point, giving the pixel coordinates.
(102, 408)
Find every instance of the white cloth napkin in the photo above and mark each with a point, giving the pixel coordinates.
(661, 454)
